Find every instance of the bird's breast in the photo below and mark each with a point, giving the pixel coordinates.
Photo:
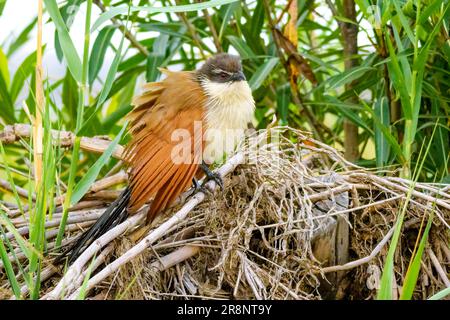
(229, 109)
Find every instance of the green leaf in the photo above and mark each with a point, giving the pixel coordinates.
(22, 74)
(67, 46)
(182, 8)
(241, 46)
(347, 110)
(98, 52)
(257, 20)
(404, 22)
(110, 78)
(386, 132)
(262, 73)
(4, 67)
(348, 76)
(170, 29)
(154, 61)
(160, 45)
(23, 244)
(226, 18)
(413, 269)
(131, 62)
(431, 8)
(440, 295)
(83, 289)
(283, 100)
(8, 268)
(91, 175)
(70, 99)
(2, 6)
(23, 38)
(397, 76)
(6, 104)
(68, 13)
(381, 110)
(387, 278)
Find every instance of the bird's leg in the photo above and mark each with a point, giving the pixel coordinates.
(195, 183)
(196, 187)
(211, 175)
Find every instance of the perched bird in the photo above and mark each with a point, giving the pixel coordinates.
(179, 126)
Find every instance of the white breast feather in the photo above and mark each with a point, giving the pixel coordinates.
(230, 107)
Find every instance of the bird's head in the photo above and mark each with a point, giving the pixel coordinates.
(224, 82)
(222, 68)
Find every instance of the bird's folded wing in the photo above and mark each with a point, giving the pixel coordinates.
(167, 117)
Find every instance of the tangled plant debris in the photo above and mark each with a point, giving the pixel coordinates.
(275, 232)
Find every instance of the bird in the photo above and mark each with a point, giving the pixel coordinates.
(179, 127)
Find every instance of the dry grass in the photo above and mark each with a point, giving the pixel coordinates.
(260, 237)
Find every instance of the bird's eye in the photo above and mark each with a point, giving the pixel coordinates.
(224, 74)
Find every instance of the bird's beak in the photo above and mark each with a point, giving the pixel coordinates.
(238, 76)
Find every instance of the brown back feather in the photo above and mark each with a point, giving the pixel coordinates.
(174, 103)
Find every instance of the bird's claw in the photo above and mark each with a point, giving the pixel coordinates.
(216, 178)
(211, 176)
(197, 187)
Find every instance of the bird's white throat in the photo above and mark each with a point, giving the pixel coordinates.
(229, 109)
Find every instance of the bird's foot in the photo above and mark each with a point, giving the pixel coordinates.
(197, 187)
(211, 175)
(215, 177)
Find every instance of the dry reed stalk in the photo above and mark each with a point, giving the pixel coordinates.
(257, 236)
(175, 257)
(12, 133)
(441, 272)
(37, 126)
(157, 233)
(76, 268)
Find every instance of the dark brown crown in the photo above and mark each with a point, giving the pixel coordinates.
(222, 67)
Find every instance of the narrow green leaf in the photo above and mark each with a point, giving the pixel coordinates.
(4, 67)
(182, 8)
(68, 13)
(440, 295)
(262, 73)
(404, 21)
(348, 76)
(161, 44)
(2, 6)
(67, 46)
(131, 62)
(23, 244)
(431, 8)
(241, 46)
(83, 288)
(22, 74)
(91, 175)
(386, 132)
(257, 20)
(23, 38)
(70, 99)
(283, 100)
(110, 78)
(413, 270)
(227, 16)
(170, 29)
(348, 111)
(9, 269)
(387, 278)
(398, 79)
(381, 110)
(98, 52)
(154, 61)
(6, 104)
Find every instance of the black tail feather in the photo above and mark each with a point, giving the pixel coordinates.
(114, 215)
